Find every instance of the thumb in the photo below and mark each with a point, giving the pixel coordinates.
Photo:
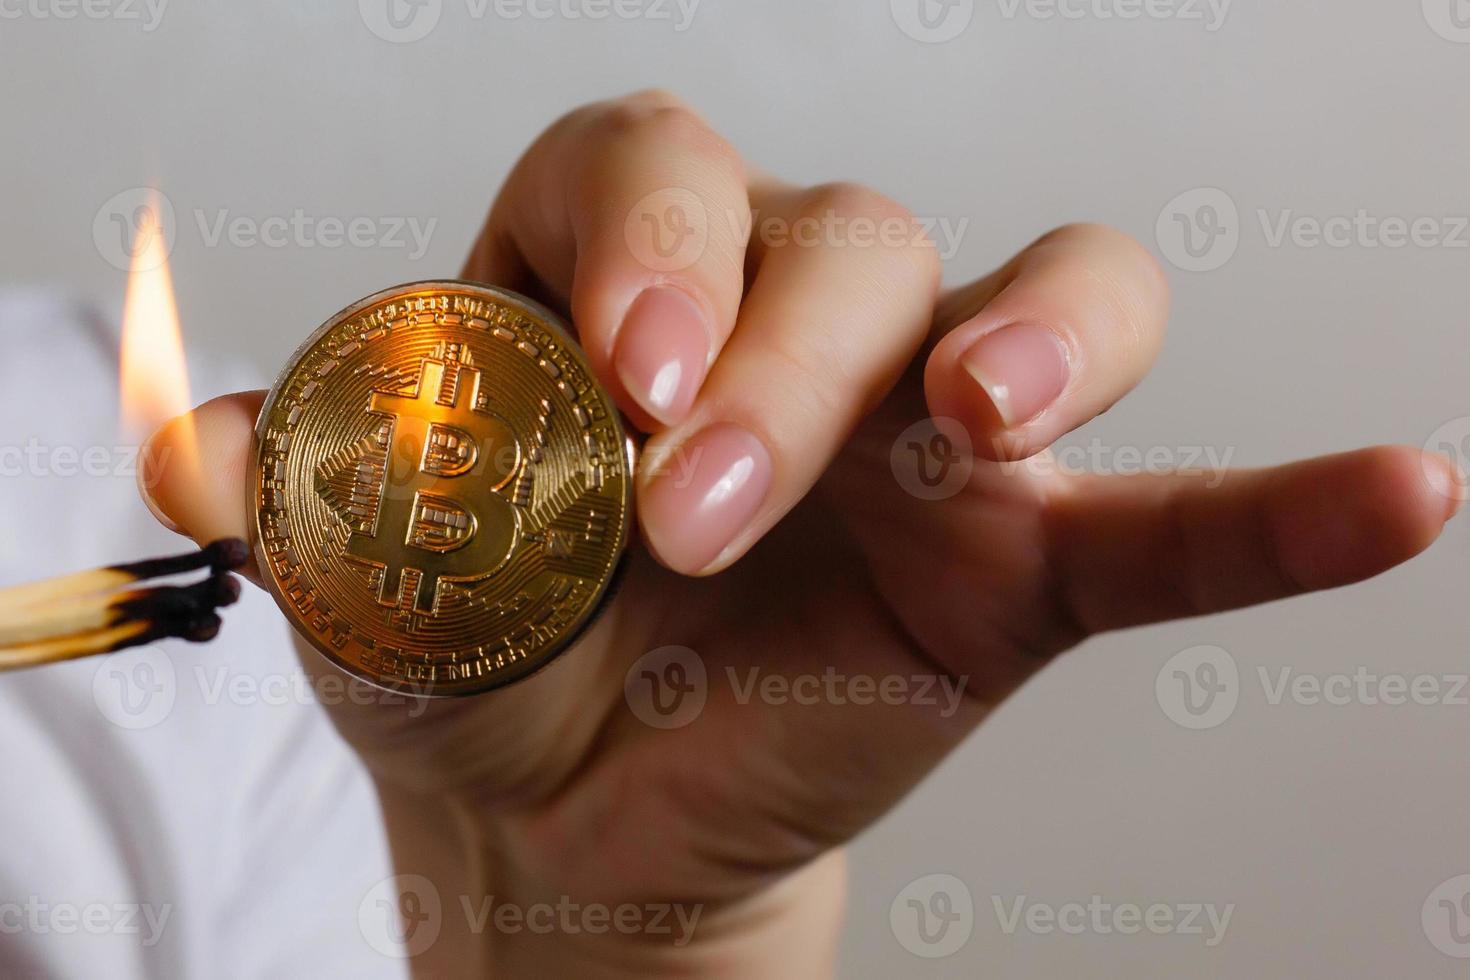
(524, 740)
(193, 472)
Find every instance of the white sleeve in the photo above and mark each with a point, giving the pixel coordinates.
(179, 811)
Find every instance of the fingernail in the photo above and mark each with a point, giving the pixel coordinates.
(149, 471)
(1022, 367)
(706, 492)
(1448, 480)
(662, 352)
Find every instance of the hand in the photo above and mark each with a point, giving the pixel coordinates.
(784, 369)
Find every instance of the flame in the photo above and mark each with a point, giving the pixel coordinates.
(155, 379)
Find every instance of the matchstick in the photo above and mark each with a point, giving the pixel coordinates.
(77, 616)
(204, 628)
(222, 555)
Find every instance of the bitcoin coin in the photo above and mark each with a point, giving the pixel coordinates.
(442, 491)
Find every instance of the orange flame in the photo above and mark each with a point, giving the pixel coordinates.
(155, 379)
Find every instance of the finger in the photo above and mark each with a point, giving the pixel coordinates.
(1049, 342)
(1134, 550)
(208, 501)
(633, 214)
(823, 334)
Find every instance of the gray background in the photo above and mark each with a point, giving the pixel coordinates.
(1326, 826)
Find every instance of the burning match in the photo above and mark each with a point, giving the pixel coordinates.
(94, 612)
(103, 610)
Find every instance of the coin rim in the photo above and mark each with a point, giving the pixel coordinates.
(606, 590)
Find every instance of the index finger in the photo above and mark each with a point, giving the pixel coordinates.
(634, 215)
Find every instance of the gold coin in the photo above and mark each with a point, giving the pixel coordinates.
(442, 492)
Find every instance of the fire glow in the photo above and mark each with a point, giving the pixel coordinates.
(119, 606)
(155, 378)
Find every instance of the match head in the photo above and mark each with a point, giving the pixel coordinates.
(226, 589)
(227, 554)
(201, 628)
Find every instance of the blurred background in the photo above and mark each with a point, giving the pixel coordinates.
(1300, 170)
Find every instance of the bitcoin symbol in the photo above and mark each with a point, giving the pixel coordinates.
(440, 516)
(441, 493)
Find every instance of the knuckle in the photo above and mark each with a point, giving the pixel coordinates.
(822, 378)
(1077, 231)
(658, 119)
(632, 118)
(860, 215)
(816, 387)
(559, 127)
(1128, 287)
(1122, 243)
(1084, 235)
(627, 112)
(645, 117)
(653, 97)
(680, 126)
(1130, 255)
(612, 115)
(844, 199)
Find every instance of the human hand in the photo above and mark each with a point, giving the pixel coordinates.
(774, 379)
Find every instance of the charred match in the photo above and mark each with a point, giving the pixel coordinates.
(97, 612)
